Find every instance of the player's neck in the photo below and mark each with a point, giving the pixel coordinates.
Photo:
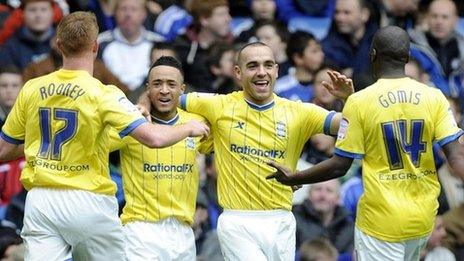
(164, 116)
(386, 72)
(78, 63)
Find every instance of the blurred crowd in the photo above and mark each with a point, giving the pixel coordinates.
(308, 38)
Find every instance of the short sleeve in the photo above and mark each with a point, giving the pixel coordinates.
(350, 138)
(14, 129)
(204, 104)
(118, 112)
(446, 128)
(317, 119)
(115, 141)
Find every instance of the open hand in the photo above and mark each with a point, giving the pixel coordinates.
(283, 174)
(340, 87)
(144, 112)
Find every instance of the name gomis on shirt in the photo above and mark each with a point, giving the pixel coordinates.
(400, 96)
(64, 89)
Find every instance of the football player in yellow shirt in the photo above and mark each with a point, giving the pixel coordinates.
(248, 128)
(391, 126)
(161, 185)
(63, 120)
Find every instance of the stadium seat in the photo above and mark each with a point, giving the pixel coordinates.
(318, 26)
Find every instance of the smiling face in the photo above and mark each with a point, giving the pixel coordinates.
(257, 73)
(165, 85)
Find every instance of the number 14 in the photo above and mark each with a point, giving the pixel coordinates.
(401, 137)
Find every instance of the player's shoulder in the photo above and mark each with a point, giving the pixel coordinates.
(188, 116)
(285, 103)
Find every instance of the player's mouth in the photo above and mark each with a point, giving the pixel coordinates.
(261, 85)
(164, 101)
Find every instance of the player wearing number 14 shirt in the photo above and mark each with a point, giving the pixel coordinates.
(391, 125)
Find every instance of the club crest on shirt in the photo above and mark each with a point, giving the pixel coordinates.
(127, 105)
(343, 128)
(190, 143)
(281, 129)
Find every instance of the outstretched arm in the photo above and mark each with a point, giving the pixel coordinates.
(454, 152)
(160, 136)
(10, 151)
(334, 167)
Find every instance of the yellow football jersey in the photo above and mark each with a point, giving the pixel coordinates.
(391, 125)
(246, 135)
(61, 118)
(161, 183)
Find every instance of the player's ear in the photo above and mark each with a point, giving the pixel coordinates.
(373, 54)
(237, 72)
(182, 88)
(95, 47)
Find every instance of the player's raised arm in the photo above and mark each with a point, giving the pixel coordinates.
(160, 136)
(341, 87)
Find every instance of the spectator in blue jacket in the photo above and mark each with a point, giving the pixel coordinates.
(305, 54)
(348, 42)
(440, 50)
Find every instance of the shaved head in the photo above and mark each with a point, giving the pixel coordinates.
(391, 43)
(246, 46)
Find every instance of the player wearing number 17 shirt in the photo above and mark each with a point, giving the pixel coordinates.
(391, 126)
(63, 120)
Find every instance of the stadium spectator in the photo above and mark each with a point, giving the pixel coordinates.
(305, 54)
(347, 44)
(318, 249)
(434, 249)
(104, 10)
(162, 206)
(211, 23)
(220, 61)
(397, 209)
(402, 13)
(66, 180)
(128, 44)
(10, 85)
(275, 35)
(15, 19)
(31, 42)
(262, 10)
(321, 216)
(55, 61)
(440, 50)
(415, 70)
(322, 96)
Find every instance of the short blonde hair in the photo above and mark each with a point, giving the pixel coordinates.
(77, 33)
